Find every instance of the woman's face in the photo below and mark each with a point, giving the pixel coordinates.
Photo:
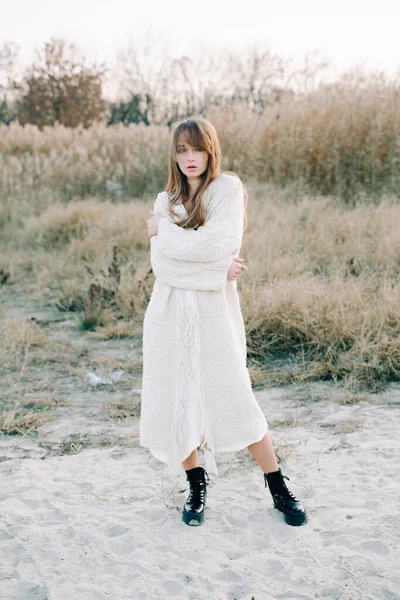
(191, 160)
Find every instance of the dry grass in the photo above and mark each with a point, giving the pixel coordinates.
(17, 421)
(288, 422)
(340, 139)
(84, 225)
(130, 407)
(18, 341)
(343, 445)
(76, 442)
(323, 285)
(23, 344)
(352, 399)
(25, 407)
(77, 162)
(348, 427)
(320, 298)
(27, 404)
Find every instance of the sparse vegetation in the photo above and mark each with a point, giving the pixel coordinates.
(340, 140)
(130, 407)
(320, 298)
(348, 427)
(19, 421)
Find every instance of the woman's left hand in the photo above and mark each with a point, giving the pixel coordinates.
(236, 268)
(152, 223)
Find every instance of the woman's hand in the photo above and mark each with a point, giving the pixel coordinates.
(152, 223)
(236, 268)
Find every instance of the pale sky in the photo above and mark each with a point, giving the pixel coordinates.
(344, 32)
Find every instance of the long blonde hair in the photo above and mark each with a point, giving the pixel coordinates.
(199, 133)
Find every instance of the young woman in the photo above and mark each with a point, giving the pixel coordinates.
(196, 389)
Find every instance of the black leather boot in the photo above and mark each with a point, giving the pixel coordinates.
(193, 511)
(284, 500)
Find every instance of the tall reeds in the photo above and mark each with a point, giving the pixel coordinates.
(322, 288)
(342, 139)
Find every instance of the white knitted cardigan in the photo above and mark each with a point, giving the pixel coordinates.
(192, 260)
(200, 259)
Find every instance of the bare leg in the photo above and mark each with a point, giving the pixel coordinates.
(283, 499)
(263, 452)
(191, 461)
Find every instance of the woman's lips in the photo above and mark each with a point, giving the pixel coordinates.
(192, 167)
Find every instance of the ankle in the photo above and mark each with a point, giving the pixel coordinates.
(272, 472)
(273, 475)
(193, 470)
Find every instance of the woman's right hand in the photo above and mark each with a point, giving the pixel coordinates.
(235, 268)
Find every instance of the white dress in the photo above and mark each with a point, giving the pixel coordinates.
(196, 389)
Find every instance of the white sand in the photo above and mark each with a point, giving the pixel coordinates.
(106, 523)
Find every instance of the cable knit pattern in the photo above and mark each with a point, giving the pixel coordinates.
(196, 389)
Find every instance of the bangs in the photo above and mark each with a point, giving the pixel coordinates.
(197, 133)
(189, 133)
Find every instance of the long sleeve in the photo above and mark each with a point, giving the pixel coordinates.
(189, 275)
(218, 238)
(200, 274)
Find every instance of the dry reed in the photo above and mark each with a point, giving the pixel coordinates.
(340, 139)
(320, 298)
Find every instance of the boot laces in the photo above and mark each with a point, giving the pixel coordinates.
(199, 481)
(282, 490)
(199, 478)
(198, 487)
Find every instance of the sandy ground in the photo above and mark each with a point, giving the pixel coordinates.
(105, 520)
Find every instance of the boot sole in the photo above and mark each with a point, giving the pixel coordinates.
(297, 521)
(193, 519)
(292, 520)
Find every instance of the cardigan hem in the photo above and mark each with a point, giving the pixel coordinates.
(232, 448)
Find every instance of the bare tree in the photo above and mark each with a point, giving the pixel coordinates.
(8, 80)
(306, 78)
(173, 87)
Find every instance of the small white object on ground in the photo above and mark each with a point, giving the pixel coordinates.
(94, 380)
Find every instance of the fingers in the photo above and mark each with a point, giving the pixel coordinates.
(243, 268)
